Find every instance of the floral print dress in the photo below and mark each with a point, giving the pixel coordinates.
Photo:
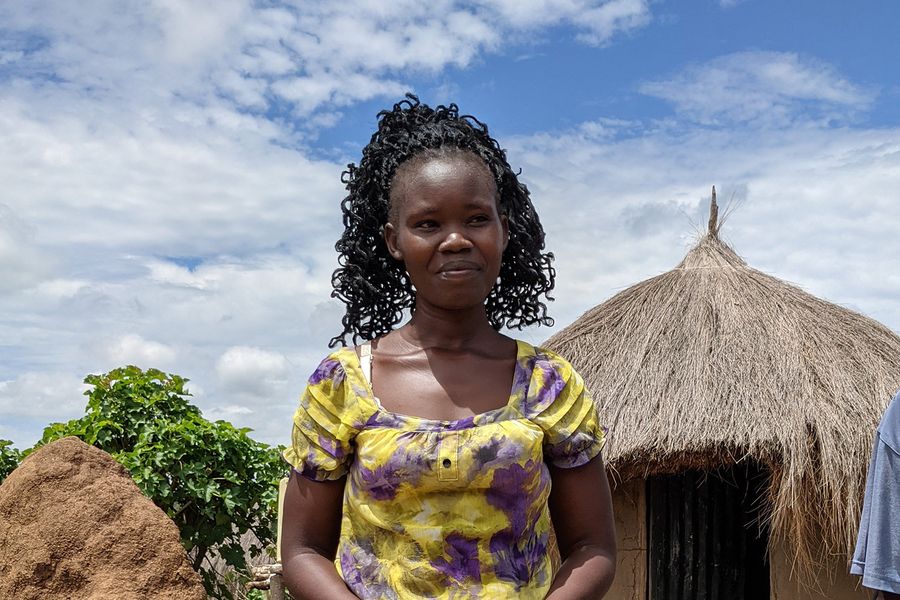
(445, 509)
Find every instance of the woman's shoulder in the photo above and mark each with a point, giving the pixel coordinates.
(338, 386)
(333, 368)
(340, 372)
(338, 364)
(544, 358)
(546, 381)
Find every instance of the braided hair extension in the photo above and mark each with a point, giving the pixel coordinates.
(372, 284)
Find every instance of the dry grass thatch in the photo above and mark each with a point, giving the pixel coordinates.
(715, 362)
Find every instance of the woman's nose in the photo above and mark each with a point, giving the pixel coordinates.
(455, 242)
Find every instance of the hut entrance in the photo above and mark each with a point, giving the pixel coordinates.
(706, 538)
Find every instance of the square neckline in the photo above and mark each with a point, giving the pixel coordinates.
(523, 349)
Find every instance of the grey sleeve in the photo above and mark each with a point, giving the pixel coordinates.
(877, 555)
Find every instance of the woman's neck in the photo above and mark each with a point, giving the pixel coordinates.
(432, 327)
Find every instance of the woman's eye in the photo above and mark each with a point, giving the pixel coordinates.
(478, 219)
(426, 225)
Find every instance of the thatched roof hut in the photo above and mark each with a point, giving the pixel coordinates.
(714, 362)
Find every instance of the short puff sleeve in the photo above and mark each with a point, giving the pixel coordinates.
(560, 404)
(325, 424)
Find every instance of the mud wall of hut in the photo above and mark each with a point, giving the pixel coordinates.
(835, 581)
(629, 504)
(631, 536)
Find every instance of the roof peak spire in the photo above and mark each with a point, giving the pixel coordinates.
(713, 216)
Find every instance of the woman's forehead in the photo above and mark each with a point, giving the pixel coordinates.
(460, 167)
(441, 165)
(450, 167)
(445, 155)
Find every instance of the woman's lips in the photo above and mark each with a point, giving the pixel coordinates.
(458, 269)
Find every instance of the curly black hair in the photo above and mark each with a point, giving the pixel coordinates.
(372, 284)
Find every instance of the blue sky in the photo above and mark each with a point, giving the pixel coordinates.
(171, 175)
(553, 81)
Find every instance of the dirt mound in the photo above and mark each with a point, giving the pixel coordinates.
(74, 525)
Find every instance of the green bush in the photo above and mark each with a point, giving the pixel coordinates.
(9, 459)
(213, 480)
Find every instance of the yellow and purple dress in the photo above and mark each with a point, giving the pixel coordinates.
(445, 509)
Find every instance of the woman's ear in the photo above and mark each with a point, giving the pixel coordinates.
(390, 240)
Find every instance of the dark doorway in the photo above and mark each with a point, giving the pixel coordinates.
(706, 538)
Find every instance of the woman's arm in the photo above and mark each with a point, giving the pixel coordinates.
(581, 508)
(311, 525)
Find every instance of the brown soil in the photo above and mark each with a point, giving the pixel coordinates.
(74, 525)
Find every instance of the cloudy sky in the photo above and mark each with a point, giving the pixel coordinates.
(170, 172)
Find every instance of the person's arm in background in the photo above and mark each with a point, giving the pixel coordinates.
(311, 526)
(877, 555)
(581, 510)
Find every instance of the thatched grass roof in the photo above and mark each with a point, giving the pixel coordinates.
(714, 362)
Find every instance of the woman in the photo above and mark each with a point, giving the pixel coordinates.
(428, 462)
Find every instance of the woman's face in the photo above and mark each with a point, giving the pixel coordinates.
(446, 228)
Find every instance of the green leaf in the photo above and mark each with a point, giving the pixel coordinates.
(9, 459)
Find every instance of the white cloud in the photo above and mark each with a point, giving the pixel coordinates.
(252, 371)
(230, 412)
(181, 321)
(53, 396)
(762, 87)
(605, 21)
(597, 21)
(185, 183)
(309, 92)
(59, 289)
(7, 57)
(193, 29)
(606, 128)
(310, 54)
(22, 263)
(132, 349)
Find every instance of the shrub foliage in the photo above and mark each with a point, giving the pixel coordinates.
(213, 480)
(9, 459)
